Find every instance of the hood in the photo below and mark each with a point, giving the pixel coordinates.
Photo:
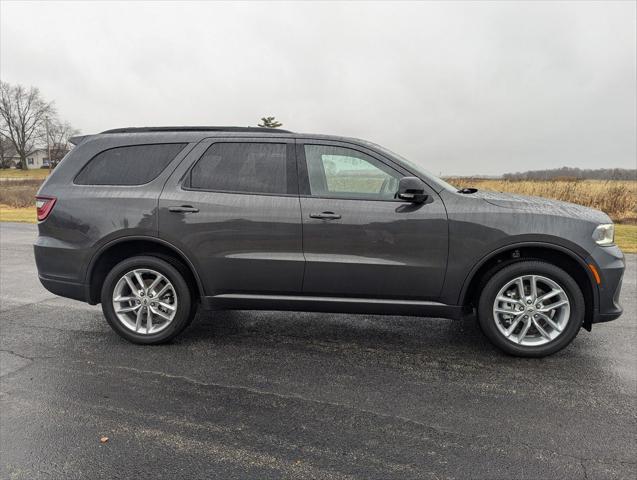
(542, 206)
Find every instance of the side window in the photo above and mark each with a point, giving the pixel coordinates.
(346, 173)
(132, 165)
(242, 167)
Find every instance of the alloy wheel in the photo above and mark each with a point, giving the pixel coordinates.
(531, 310)
(144, 301)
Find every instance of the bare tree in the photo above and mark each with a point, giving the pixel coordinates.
(270, 122)
(7, 152)
(22, 117)
(58, 141)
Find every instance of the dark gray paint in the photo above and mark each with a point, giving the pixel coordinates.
(247, 246)
(377, 248)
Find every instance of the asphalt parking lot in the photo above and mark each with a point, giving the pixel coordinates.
(302, 395)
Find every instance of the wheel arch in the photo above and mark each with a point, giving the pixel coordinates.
(563, 257)
(117, 250)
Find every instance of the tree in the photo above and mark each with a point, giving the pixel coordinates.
(22, 118)
(7, 152)
(58, 140)
(574, 173)
(270, 122)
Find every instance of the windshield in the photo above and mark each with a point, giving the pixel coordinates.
(417, 168)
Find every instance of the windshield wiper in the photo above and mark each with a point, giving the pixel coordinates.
(468, 190)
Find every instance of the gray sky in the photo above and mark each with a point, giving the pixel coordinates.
(462, 88)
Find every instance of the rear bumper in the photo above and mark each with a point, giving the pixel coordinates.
(61, 268)
(76, 291)
(611, 265)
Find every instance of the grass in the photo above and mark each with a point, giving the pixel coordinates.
(23, 214)
(38, 173)
(626, 237)
(19, 193)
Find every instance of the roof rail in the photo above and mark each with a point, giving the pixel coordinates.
(195, 129)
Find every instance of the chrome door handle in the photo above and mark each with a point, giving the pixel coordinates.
(325, 216)
(183, 209)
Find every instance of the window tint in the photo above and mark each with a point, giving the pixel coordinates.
(242, 167)
(133, 165)
(343, 172)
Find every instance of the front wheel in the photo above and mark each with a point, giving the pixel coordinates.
(146, 300)
(531, 309)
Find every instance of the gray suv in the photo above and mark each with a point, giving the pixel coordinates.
(155, 222)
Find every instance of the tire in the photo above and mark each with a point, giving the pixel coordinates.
(171, 312)
(544, 336)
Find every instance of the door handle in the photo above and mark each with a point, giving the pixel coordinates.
(325, 215)
(183, 209)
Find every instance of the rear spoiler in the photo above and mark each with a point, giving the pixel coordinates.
(78, 139)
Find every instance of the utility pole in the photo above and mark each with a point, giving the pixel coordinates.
(48, 144)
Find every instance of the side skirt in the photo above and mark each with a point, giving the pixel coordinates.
(303, 303)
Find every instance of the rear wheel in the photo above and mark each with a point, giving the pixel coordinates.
(146, 300)
(531, 309)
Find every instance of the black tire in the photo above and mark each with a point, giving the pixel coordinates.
(530, 267)
(185, 308)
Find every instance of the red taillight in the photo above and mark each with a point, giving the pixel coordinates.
(44, 206)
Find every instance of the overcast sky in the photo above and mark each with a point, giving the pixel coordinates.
(462, 88)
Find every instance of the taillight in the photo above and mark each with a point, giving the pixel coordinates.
(44, 206)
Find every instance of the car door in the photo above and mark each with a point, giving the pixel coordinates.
(232, 207)
(358, 240)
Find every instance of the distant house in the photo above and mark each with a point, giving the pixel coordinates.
(37, 159)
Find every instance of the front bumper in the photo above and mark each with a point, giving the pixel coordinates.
(610, 265)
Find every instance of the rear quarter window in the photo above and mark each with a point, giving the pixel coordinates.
(130, 165)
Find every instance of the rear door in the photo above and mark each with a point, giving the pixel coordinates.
(232, 207)
(358, 240)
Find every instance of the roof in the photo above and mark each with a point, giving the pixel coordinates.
(195, 129)
(196, 133)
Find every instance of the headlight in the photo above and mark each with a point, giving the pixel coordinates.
(604, 234)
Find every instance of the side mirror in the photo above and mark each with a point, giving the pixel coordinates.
(411, 189)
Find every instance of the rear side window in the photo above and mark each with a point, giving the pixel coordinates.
(242, 167)
(132, 165)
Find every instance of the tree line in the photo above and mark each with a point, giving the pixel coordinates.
(574, 173)
(27, 123)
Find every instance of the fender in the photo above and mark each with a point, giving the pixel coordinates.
(581, 257)
(159, 241)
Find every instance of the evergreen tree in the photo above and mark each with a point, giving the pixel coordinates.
(270, 122)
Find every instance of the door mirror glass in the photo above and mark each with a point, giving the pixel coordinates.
(411, 189)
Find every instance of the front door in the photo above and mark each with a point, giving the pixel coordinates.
(358, 240)
(232, 207)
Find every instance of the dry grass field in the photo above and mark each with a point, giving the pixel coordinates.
(40, 173)
(19, 193)
(617, 198)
